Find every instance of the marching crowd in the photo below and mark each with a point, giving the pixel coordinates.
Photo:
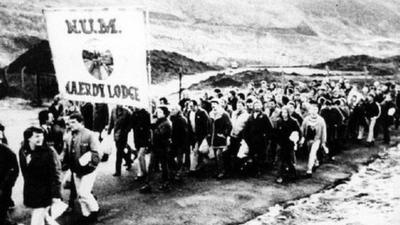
(236, 132)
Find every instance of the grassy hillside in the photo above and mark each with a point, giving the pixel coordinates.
(374, 65)
(264, 31)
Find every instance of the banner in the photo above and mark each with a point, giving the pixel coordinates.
(99, 54)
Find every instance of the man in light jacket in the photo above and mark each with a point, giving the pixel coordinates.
(82, 158)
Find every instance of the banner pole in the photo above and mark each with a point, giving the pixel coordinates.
(148, 56)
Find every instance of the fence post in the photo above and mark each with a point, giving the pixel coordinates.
(39, 100)
(23, 78)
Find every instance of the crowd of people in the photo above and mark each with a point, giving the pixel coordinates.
(235, 132)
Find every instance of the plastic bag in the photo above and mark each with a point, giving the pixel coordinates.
(204, 147)
(243, 150)
(57, 209)
(106, 147)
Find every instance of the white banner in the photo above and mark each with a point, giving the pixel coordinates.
(99, 54)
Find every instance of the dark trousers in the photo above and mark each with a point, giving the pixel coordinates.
(229, 157)
(176, 159)
(287, 169)
(4, 204)
(257, 152)
(121, 145)
(160, 155)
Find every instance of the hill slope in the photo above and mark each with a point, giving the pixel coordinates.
(267, 31)
(374, 65)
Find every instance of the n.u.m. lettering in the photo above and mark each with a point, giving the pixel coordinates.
(91, 26)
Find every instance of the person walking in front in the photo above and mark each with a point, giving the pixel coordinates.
(288, 133)
(82, 158)
(256, 133)
(314, 134)
(41, 171)
(8, 175)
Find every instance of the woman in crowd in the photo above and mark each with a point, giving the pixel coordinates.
(41, 170)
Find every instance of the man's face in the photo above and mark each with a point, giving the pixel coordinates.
(240, 107)
(257, 106)
(313, 110)
(271, 104)
(214, 106)
(192, 107)
(36, 139)
(290, 108)
(285, 114)
(74, 124)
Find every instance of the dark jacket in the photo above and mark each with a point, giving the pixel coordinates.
(41, 176)
(221, 127)
(78, 144)
(120, 122)
(8, 168)
(202, 124)
(257, 131)
(284, 129)
(57, 112)
(180, 131)
(162, 134)
(372, 110)
(384, 117)
(140, 121)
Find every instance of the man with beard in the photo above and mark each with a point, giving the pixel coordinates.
(288, 132)
(256, 133)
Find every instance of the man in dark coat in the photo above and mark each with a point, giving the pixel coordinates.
(256, 133)
(221, 127)
(388, 109)
(199, 124)
(180, 140)
(333, 119)
(120, 123)
(8, 175)
(140, 121)
(286, 129)
(161, 145)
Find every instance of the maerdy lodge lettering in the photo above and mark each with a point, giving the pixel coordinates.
(91, 26)
(102, 90)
